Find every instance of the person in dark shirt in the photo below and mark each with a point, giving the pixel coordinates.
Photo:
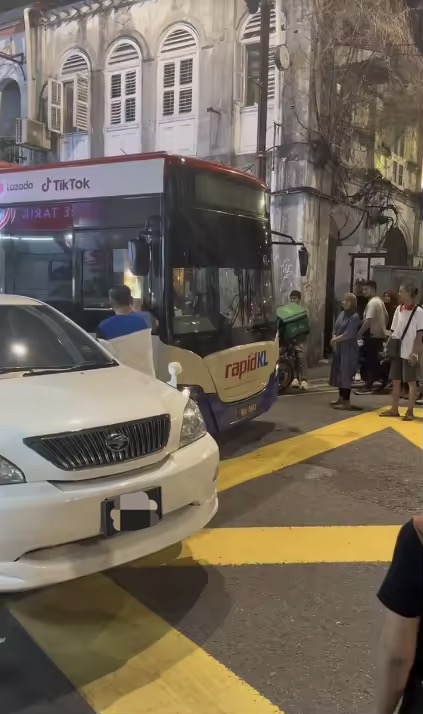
(362, 299)
(401, 657)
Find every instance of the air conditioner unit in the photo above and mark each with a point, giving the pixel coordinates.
(32, 134)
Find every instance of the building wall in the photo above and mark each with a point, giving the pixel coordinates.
(12, 85)
(226, 128)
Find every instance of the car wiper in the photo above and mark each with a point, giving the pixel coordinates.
(82, 367)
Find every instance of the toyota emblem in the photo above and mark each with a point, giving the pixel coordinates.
(117, 442)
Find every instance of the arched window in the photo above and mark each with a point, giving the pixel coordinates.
(250, 40)
(75, 80)
(123, 98)
(178, 91)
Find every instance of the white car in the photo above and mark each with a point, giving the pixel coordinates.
(78, 430)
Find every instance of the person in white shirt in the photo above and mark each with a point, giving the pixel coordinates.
(407, 326)
(373, 333)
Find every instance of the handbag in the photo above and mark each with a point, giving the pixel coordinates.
(412, 701)
(393, 345)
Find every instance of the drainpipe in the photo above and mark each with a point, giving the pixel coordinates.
(30, 82)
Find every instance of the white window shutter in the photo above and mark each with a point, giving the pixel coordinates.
(81, 102)
(115, 98)
(55, 113)
(239, 72)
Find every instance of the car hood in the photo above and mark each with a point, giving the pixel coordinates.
(57, 403)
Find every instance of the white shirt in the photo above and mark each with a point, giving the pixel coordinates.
(399, 323)
(377, 315)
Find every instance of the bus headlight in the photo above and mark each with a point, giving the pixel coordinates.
(193, 425)
(192, 391)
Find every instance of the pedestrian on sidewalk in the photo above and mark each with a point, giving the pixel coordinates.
(373, 333)
(404, 348)
(390, 301)
(345, 351)
(300, 380)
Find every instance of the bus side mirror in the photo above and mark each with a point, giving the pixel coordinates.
(303, 260)
(139, 256)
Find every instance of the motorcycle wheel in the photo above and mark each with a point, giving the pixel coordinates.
(286, 374)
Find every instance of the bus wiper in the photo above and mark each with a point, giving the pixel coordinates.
(82, 367)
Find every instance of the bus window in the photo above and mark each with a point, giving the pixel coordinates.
(103, 260)
(39, 266)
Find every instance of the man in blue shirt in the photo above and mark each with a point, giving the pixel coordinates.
(128, 332)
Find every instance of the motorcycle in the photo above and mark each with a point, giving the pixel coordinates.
(286, 366)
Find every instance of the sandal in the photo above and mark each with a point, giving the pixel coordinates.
(409, 416)
(390, 413)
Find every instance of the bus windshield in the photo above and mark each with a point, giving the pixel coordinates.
(221, 259)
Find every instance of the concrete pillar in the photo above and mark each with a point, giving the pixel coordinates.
(299, 207)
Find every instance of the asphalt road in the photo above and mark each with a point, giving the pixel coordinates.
(271, 610)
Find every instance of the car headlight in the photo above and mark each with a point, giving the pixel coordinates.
(9, 473)
(193, 425)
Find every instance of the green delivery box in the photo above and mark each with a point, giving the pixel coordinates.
(293, 321)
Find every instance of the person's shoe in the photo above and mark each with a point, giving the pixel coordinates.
(419, 400)
(336, 402)
(363, 391)
(295, 383)
(304, 385)
(343, 406)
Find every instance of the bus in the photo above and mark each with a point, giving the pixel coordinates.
(191, 239)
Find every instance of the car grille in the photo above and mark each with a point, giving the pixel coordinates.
(101, 447)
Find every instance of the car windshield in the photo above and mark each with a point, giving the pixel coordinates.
(36, 337)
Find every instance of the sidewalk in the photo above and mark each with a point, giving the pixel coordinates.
(319, 374)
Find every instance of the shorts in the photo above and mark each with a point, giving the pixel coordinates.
(402, 370)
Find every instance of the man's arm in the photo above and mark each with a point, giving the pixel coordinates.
(418, 340)
(397, 653)
(401, 595)
(370, 312)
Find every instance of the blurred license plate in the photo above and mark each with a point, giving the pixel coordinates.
(249, 411)
(132, 512)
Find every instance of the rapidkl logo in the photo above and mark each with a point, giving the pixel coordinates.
(244, 366)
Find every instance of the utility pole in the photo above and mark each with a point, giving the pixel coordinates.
(253, 8)
(264, 88)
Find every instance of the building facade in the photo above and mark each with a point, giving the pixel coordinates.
(113, 77)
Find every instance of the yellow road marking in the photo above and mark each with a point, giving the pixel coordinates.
(289, 452)
(274, 546)
(412, 431)
(124, 659)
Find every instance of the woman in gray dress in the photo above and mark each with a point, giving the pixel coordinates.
(345, 351)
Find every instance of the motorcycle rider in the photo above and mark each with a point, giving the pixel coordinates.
(300, 381)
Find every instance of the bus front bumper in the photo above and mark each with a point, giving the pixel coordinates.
(221, 416)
